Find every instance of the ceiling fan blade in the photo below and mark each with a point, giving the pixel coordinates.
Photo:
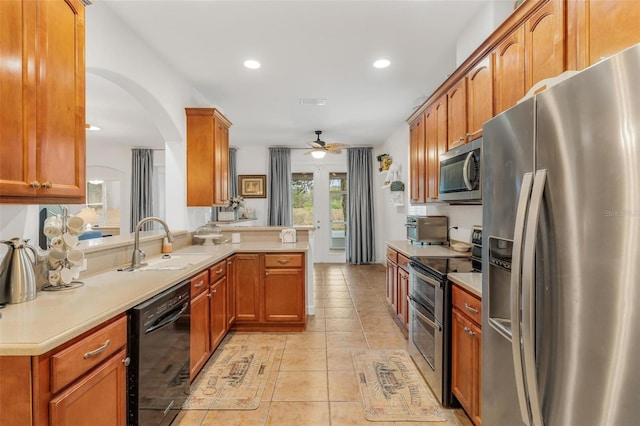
(334, 151)
(335, 146)
(315, 144)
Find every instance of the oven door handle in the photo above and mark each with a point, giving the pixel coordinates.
(425, 319)
(410, 225)
(425, 278)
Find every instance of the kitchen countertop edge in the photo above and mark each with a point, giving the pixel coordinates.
(470, 281)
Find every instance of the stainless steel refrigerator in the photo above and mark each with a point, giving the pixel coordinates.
(561, 253)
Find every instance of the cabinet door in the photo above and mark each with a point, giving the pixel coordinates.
(605, 27)
(284, 295)
(60, 93)
(479, 97)
(544, 43)
(465, 364)
(508, 82)
(457, 114)
(97, 399)
(247, 277)
(436, 144)
(231, 292)
(392, 284)
(218, 312)
(403, 291)
(417, 157)
(200, 333)
(221, 167)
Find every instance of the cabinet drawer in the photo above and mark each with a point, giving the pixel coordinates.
(72, 362)
(218, 271)
(403, 262)
(283, 260)
(470, 305)
(199, 283)
(392, 255)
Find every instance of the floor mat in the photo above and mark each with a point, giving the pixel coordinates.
(235, 381)
(392, 389)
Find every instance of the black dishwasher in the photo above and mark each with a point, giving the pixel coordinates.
(158, 376)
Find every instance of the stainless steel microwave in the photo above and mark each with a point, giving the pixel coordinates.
(460, 174)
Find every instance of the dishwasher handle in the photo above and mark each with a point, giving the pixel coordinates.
(167, 318)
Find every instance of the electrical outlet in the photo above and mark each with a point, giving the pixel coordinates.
(83, 267)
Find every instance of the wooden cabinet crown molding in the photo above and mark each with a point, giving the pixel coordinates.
(209, 112)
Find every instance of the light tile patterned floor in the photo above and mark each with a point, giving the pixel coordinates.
(313, 380)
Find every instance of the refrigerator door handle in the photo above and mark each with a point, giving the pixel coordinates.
(529, 296)
(516, 264)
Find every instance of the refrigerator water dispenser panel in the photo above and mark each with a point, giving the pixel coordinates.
(500, 252)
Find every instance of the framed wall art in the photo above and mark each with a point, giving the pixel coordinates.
(252, 186)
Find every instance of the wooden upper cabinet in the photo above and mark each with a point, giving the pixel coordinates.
(508, 82)
(479, 97)
(207, 157)
(417, 159)
(436, 144)
(42, 125)
(602, 28)
(544, 43)
(457, 113)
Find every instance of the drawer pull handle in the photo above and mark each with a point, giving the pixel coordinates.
(200, 284)
(470, 308)
(283, 261)
(469, 331)
(214, 291)
(97, 351)
(47, 185)
(219, 271)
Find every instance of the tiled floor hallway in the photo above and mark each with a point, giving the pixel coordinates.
(313, 382)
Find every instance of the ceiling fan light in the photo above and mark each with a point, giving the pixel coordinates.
(318, 154)
(381, 63)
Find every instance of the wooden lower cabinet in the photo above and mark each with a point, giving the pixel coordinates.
(403, 291)
(231, 291)
(199, 351)
(270, 292)
(466, 358)
(218, 312)
(97, 399)
(392, 284)
(398, 285)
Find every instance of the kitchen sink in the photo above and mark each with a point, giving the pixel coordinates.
(170, 263)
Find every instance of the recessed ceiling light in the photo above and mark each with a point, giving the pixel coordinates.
(381, 63)
(252, 64)
(318, 102)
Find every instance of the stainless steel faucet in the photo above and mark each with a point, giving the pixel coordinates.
(138, 254)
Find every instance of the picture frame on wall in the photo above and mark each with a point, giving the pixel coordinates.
(252, 186)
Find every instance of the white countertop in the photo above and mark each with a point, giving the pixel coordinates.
(404, 247)
(471, 281)
(52, 318)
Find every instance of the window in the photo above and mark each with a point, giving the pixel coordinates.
(338, 213)
(302, 198)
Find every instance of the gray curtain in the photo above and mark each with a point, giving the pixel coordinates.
(233, 183)
(360, 237)
(141, 187)
(280, 213)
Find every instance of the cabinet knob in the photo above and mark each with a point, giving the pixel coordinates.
(126, 361)
(468, 135)
(214, 291)
(47, 185)
(35, 184)
(266, 274)
(461, 138)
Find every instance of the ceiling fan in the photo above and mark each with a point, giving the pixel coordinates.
(319, 147)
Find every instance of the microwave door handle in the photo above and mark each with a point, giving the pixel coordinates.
(465, 171)
(518, 235)
(529, 295)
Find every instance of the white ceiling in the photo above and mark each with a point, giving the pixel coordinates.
(308, 49)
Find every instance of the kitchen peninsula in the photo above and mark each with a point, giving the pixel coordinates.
(42, 342)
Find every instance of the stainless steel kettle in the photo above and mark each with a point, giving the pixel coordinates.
(17, 272)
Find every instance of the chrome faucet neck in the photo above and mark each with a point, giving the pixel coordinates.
(138, 254)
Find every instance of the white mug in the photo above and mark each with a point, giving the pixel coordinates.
(75, 257)
(70, 241)
(54, 277)
(76, 272)
(75, 225)
(57, 242)
(66, 276)
(56, 256)
(52, 227)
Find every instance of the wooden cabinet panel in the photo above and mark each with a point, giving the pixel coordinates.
(467, 303)
(199, 283)
(200, 339)
(248, 274)
(417, 159)
(42, 124)
(544, 43)
(217, 271)
(436, 144)
(479, 97)
(392, 255)
(97, 399)
(508, 82)
(217, 312)
(284, 295)
(231, 291)
(403, 292)
(392, 284)
(283, 260)
(604, 27)
(70, 363)
(457, 114)
(403, 261)
(207, 157)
